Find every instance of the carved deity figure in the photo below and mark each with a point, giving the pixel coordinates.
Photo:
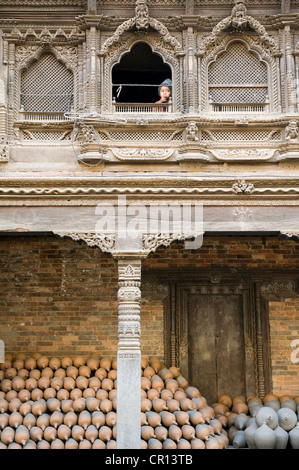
(239, 15)
(141, 14)
(192, 131)
(292, 131)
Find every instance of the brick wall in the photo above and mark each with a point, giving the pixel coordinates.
(59, 296)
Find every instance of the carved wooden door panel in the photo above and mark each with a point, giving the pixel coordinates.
(216, 349)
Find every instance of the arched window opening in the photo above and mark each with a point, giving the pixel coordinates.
(136, 80)
(47, 87)
(238, 81)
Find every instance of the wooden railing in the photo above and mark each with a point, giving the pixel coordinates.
(142, 107)
(39, 117)
(239, 107)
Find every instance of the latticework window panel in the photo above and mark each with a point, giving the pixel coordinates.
(47, 86)
(238, 76)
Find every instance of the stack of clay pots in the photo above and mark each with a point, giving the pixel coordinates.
(70, 403)
(271, 423)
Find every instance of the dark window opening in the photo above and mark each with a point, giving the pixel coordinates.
(136, 78)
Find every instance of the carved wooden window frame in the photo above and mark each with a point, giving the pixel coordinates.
(253, 46)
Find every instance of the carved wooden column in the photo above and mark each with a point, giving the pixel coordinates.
(129, 355)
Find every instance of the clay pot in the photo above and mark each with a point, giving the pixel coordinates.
(10, 373)
(282, 438)
(159, 404)
(14, 404)
(93, 404)
(188, 432)
(111, 419)
(153, 419)
(267, 415)
(148, 372)
(57, 444)
(249, 433)
(216, 425)
(225, 400)
(182, 417)
(294, 437)
(202, 431)
(56, 419)
(265, 437)
(167, 418)
(54, 363)
(147, 432)
(144, 362)
(176, 371)
(146, 405)
(30, 445)
(71, 444)
(6, 385)
(99, 444)
(105, 406)
(270, 397)
(145, 383)
(165, 374)
(182, 382)
(212, 443)
(106, 363)
(77, 432)
(157, 383)
(4, 417)
(66, 362)
(101, 373)
(197, 444)
(172, 405)
(43, 445)
(290, 403)
(53, 405)
(287, 418)
(143, 419)
(56, 383)
(275, 404)
(239, 441)
(239, 408)
(254, 406)
(98, 419)
(72, 372)
(166, 394)
(3, 405)
(199, 402)
(21, 435)
(220, 408)
(47, 372)
(183, 444)
(93, 363)
(79, 404)
(112, 374)
(60, 373)
(222, 419)
(91, 433)
(154, 443)
(196, 417)
(17, 383)
(171, 385)
(241, 421)
(169, 444)
(15, 419)
(187, 404)
(43, 383)
(76, 393)
(62, 395)
(152, 394)
(161, 433)
(155, 363)
(64, 432)
(70, 419)
(7, 435)
(36, 434)
(8, 396)
(94, 383)
(49, 393)
(207, 413)
(105, 433)
(66, 405)
(175, 432)
(113, 393)
(84, 419)
(18, 364)
(50, 433)
(29, 421)
(192, 392)
(30, 363)
(81, 382)
(43, 421)
(107, 384)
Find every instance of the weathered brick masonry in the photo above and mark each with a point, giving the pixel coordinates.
(59, 296)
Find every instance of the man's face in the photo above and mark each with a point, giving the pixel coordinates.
(165, 93)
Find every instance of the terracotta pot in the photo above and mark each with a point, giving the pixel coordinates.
(105, 405)
(36, 434)
(183, 383)
(107, 384)
(290, 403)
(77, 432)
(200, 402)
(63, 395)
(57, 444)
(14, 404)
(231, 418)
(64, 432)
(222, 419)
(56, 419)
(239, 441)
(66, 362)
(294, 437)
(6, 385)
(168, 418)
(18, 364)
(81, 382)
(249, 433)
(147, 432)
(4, 417)
(105, 433)
(56, 383)
(43, 421)
(54, 363)
(182, 417)
(7, 435)
(144, 362)
(98, 419)
(143, 419)
(88, 392)
(30, 445)
(148, 372)
(93, 363)
(112, 374)
(220, 408)
(76, 393)
(70, 419)
(39, 407)
(29, 420)
(15, 419)
(265, 437)
(30, 363)
(91, 433)
(72, 372)
(161, 433)
(207, 413)
(43, 445)
(172, 385)
(146, 405)
(175, 432)
(67, 405)
(275, 404)
(212, 443)
(79, 404)
(153, 419)
(169, 444)
(42, 362)
(145, 383)
(202, 432)
(93, 404)
(53, 405)
(196, 417)
(154, 443)
(270, 397)
(225, 400)
(101, 373)
(152, 394)
(10, 373)
(187, 404)
(60, 373)
(241, 421)
(111, 419)
(240, 408)
(172, 405)
(183, 444)
(113, 393)
(216, 425)
(99, 444)
(3, 405)
(79, 361)
(166, 394)
(157, 383)
(50, 433)
(102, 394)
(188, 432)
(197, 444)
(17, 383)
(106, 363)
(159, 404)
(165, 374)
(71, 444)
(94, 383)
(49, 393)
